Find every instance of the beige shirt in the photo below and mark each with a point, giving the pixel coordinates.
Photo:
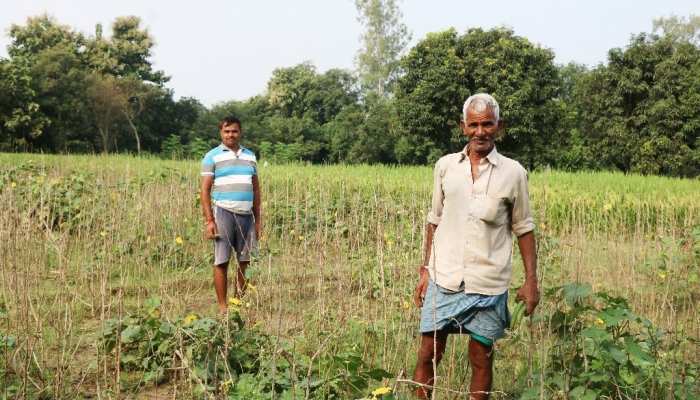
(473, 241)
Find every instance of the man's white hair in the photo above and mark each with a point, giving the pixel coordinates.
(481, 102)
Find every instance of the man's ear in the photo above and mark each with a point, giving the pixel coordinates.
(501, 129)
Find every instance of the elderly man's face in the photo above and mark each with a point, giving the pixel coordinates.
(481, 127)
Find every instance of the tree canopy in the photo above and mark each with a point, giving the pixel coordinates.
(65, 91)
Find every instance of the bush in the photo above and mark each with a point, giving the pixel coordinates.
(223, 357)
(603, 350)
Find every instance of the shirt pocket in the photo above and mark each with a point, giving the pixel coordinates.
(493, 210)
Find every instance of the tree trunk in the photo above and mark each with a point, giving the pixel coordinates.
(136, 133)
(104, 134)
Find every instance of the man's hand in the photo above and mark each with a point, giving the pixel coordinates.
(529, 294)
(258, 230)
(422, 286)
(210, 231)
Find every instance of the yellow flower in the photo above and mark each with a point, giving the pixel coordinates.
(381, 391)
(226, 384)
(662, 275)
(291, 232)
(235, 302)
(190, 319)
(13, 184)
(179, 240)
(599, 321)
(252, 288)
(301, 238)
(103, 233)
(607, 207)
(406, 305)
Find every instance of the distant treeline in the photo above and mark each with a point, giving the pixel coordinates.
(62, 91)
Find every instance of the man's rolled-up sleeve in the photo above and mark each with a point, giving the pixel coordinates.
(522, 220)
(435, 214)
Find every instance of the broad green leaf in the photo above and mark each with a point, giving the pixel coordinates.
(577, 392)
(638, 356)
(132, 334)
(614, 316)
(152, 303)
(628, 376)
(575, 292)
(596, 334)
(617, 354)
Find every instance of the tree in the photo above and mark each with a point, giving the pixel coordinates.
(641, 112)
(573, 153)
(679, 28)
(44, 80)
(132, 97)
(106, 106)
(21, 121)
(383, 40)
(443, 69)
(300, 91)
(127, 53)
(41, 33)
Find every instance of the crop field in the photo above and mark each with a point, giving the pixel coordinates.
(106, 287)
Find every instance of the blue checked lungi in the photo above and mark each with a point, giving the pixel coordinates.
(469, 313)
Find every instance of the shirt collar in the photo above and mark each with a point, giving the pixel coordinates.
(237, 153)
(492, 157)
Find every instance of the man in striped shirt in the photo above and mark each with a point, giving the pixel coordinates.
(230, 181)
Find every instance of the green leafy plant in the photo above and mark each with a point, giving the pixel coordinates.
(603, 349)
(53, 202)
(9, 383)
(225, 357)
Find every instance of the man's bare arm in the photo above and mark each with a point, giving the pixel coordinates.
(529, 293)
(428, 245)
(257, 201)
(423, 275)
(205, 200)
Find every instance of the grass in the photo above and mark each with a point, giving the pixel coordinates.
(87, 238)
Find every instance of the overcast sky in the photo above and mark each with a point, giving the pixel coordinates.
(224, 50)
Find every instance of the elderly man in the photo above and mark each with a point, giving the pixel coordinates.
(479, 198)
(230, 179)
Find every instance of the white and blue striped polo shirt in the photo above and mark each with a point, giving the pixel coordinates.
(233, 177)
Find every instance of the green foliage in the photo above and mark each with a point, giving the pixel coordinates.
(383, 40)
(679, 28)
(301, 92)
(443, 69)
(65, 86)
(603, 349)
(52, 203)
(172, 148)
(9, 382)
(641, 112)
(226, 358)
(71, 92)
(677, 258)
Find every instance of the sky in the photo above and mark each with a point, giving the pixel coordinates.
(217, 50)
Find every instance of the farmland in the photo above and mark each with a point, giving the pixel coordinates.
(105, 286)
